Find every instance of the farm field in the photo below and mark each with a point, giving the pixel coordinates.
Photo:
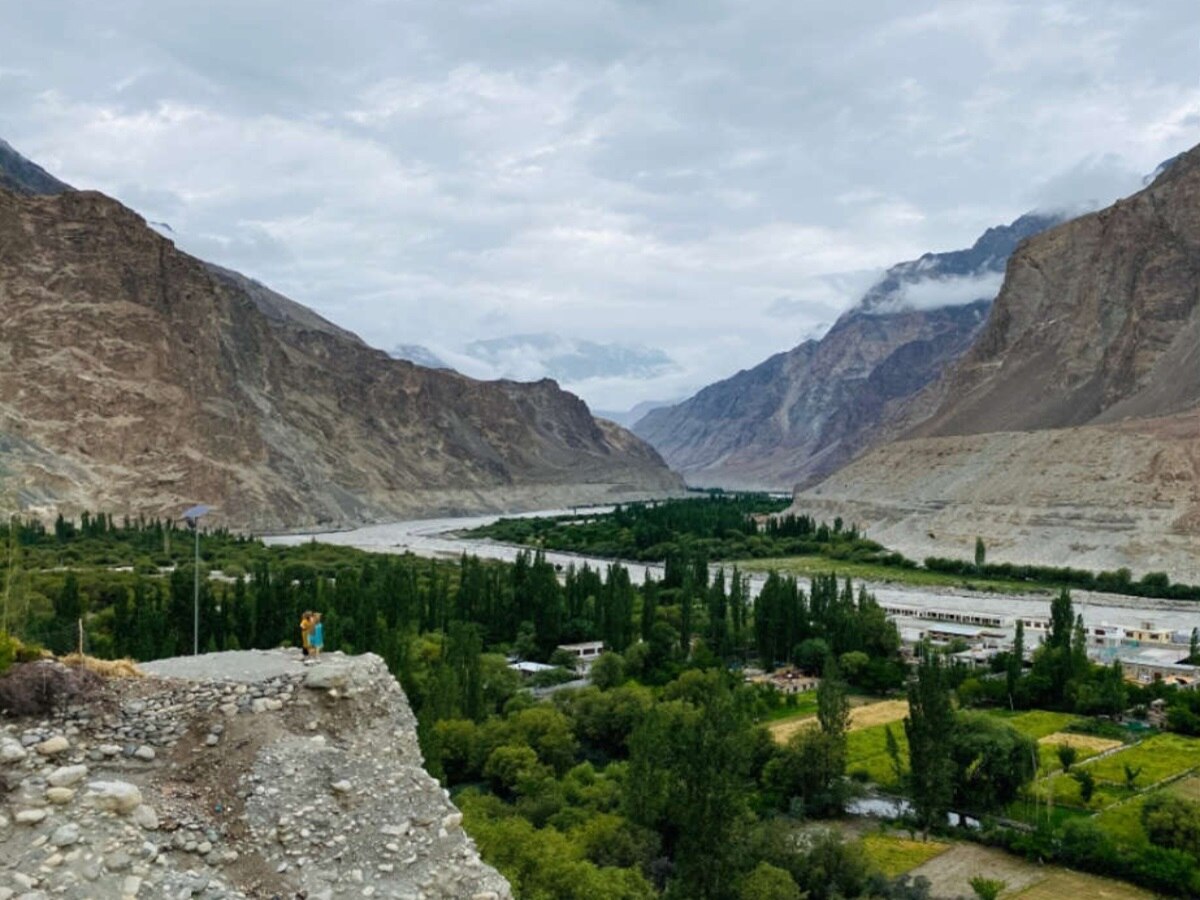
(807, 566)
(894, 855)
(1086, 747)
(950, 873)
(867, 716)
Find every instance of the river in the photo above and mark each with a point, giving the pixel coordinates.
(439, 538)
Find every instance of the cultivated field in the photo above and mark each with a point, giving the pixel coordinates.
(895, 855)
(950, 875)
(869, 715)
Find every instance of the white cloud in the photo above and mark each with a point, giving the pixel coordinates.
(935, 293)
(678, 175)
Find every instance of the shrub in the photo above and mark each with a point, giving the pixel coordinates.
(38, 688)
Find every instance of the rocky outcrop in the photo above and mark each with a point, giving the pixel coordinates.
(137, 379)
(233, 775)
(802, 414)
(1068, 433)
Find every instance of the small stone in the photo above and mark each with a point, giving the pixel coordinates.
(60, 796)
(130, 886)
(145, 817)
(204, 848)
(53, 746)
(65, 835)
(145, 752)
(118, 861)
(212, 740)
(341, 787)
(65, 776)
(115, 796)
(11, 751)
(30, 816)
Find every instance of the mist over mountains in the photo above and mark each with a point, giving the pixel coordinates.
(802, 414)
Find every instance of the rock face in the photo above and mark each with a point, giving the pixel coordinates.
(137, 379)
(269, 780)
(802, 414)
(1068, 433)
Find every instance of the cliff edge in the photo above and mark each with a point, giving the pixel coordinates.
(232, 775)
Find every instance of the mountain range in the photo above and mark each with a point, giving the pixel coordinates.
(1069, 431)
(137, 379)
(803, 414)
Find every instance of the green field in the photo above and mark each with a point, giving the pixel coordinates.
(1158, 757)
(894, 855)
(805, 705)
(866, 751)
(808, 566)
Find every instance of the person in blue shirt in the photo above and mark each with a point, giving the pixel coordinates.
(316, 637)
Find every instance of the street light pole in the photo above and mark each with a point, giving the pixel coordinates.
(192, 517)
(196, 596)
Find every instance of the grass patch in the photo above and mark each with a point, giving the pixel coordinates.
(805, 705)
(866, 751)
(865, 571)
(1035, 723)
(896, 855)
(1159, 757)
(1124, 821)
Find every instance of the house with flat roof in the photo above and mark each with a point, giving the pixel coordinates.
(585, 653)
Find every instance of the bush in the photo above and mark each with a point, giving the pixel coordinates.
(38, 688)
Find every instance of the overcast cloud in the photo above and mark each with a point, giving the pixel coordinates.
(708, 178)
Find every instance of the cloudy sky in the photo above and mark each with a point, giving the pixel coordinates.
(713, 179)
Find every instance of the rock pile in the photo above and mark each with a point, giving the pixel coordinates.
(233, 775)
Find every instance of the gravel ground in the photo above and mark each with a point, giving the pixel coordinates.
(234, 665)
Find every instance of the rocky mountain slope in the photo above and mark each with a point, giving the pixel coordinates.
(804, 413)
(232, 775)
(1068, 433)
(137, 379)
(21, 176)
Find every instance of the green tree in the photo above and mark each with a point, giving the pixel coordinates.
(987, 888)
(608, 671)
(992, 761)
(1066, 756)
(1087, 784)
(980, 554)
(1016, 661)
(929, 722)
(1131, 775)
(687, 768)
(768, 882)
(1172, 822)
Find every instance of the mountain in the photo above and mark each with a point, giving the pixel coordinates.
(629, 417)
(419, 355)
(1070, 431)
(804, 413)
(19, 175)
(566, 359)
(137, 379)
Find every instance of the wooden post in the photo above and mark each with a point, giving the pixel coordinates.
(81, 637)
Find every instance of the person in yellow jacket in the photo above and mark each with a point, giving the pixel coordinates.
(306, 627)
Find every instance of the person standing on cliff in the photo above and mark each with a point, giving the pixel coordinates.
(316, 638)
(306, 626)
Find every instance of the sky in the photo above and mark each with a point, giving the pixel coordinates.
(715, 180)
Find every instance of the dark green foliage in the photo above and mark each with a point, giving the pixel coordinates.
(991, 759)
(930, 721)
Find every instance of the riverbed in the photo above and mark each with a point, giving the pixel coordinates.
(443, 538)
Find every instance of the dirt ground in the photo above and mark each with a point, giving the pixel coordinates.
(866, 716)
(950, 873)
(1080, 741)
